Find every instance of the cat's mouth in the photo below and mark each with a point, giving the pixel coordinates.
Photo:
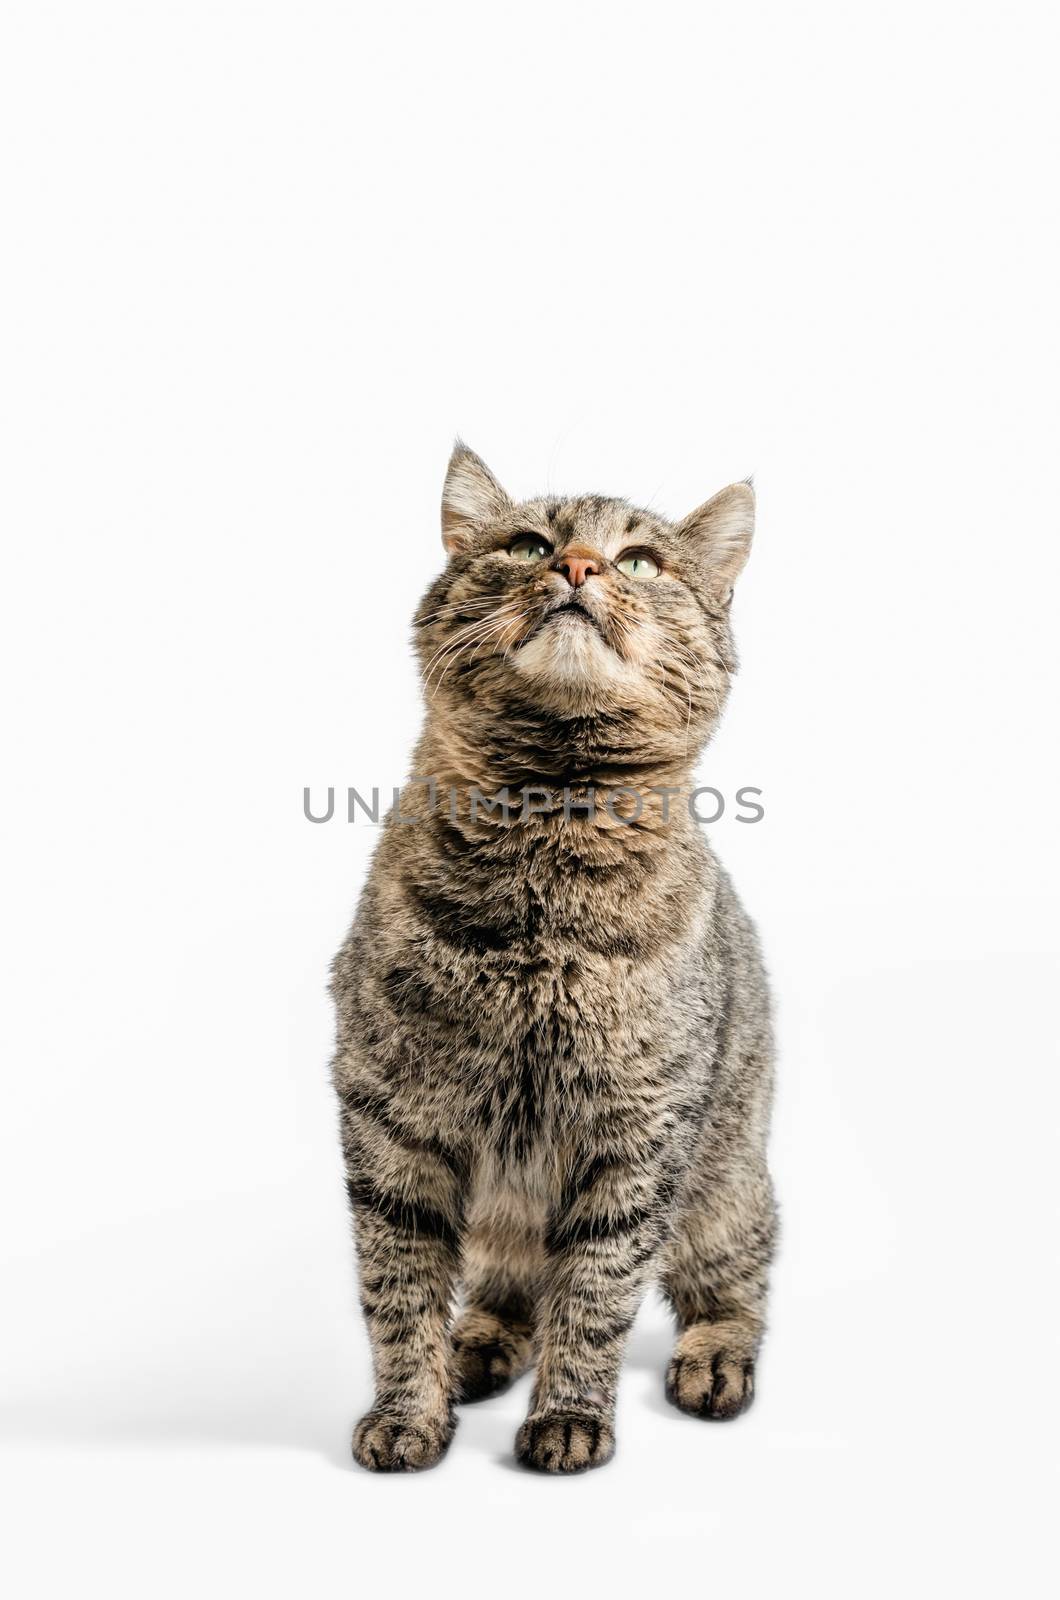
(570, 608)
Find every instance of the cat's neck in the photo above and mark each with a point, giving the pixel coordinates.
(615, 768)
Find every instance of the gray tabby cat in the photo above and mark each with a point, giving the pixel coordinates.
(554, 1057)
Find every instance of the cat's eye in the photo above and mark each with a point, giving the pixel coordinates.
(638, 564)
(530, 548)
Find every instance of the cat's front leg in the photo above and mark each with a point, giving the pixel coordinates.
(603, 1237)
(407, 1207)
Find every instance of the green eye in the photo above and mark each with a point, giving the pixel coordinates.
(638, 566)
(529, 548)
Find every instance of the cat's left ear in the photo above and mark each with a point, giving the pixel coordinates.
(472, 498)
(720, 534)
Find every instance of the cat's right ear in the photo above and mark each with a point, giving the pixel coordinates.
(471, 497)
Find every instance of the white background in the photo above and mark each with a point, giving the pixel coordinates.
(260, 264)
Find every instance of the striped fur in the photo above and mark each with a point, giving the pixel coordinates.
(554, 1051)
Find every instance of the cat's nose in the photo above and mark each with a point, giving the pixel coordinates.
(576, 568)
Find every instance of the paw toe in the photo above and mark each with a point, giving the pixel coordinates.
(394, 1444)
(488, 1355)
(719, 1388)
(481, 1370)
(564, 1442)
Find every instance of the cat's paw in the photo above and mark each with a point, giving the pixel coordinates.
(565, 1441)
(488, 1355)
(386, 1443)
(712, 1373)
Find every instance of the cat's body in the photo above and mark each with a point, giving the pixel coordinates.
(554, 1055)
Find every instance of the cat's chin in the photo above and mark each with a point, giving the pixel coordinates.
(571, 655)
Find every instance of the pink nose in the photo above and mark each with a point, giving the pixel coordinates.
(577, 568)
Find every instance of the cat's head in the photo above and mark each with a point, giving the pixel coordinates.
(585, 605)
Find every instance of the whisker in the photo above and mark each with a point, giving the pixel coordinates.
(476, 633)
(456, 607)
(472, 646)
(461, 634)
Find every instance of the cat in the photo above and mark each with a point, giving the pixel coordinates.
(554, 1050)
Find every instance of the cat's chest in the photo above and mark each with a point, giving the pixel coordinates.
(553, 1043)
(511, 985)
(544, 911)
(556, 1003)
